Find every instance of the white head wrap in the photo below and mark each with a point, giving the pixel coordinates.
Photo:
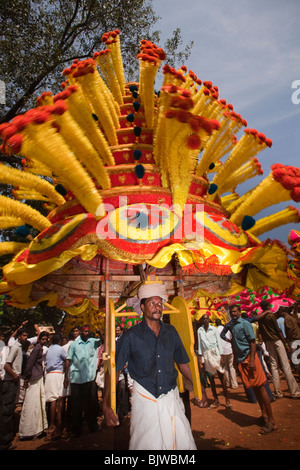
(136, 304)
(152, 290)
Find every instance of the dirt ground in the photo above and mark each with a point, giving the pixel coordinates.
(213, 429)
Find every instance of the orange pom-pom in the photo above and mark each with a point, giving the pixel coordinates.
(3, 149)
(295, 194)
(41, 117)
(169, 88)
(186, 93)
(14, 143)
(9, 131)
(166, 69)
(3, 127)
(171, 113)
(207, 124)
(251, 131)
(215, 125)
(261, 136)
(193, 141)
(183, 116)
(105, 37)
(161, 54)
(275, 166)
(195, 124)
(60, 107)
(207, 84)
(193, 75)
(176, 101)
(182, 102)
(288, 182)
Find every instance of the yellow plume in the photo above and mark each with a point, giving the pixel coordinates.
(28, 214)
(286, 216)
(16, 177)
(8, 248)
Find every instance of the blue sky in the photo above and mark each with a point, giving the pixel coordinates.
(251, 51)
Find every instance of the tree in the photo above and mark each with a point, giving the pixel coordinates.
(39, 38)
(11, 318)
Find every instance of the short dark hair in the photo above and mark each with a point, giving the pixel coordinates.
(56, 338)
(21, 331)
(284, 308)
(76, 327)
(43, 333)
(234, 305)
(264, 305)
(71, 332)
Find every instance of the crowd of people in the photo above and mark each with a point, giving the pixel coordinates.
(56, 380)
(53, 379)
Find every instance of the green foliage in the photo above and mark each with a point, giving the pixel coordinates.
(11, 318)
(40, 38)
(172, 45)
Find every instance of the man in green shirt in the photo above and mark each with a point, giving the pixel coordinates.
(80, 370)
(250, 368)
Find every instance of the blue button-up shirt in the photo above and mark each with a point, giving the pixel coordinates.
(151, 358)
(83, 357)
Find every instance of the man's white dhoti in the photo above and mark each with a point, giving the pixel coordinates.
(33, 419)
(159, 423)
(212, 362)
(54, 385)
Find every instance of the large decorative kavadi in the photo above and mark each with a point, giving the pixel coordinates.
(139, 186)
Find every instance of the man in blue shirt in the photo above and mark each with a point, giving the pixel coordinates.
(55, 360)
(251, 371)
(81, 368)
(151, 349)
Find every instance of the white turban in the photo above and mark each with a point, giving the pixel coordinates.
(152, 290)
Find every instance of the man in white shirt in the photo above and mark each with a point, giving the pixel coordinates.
(14, 337)
(9, 388)
(210, 358)
(229, 370)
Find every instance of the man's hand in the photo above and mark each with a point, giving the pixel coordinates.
(200, 363)
(111, 420)
(66, 382)
(222, 362)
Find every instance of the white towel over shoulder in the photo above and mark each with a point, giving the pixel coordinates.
(159, 423)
